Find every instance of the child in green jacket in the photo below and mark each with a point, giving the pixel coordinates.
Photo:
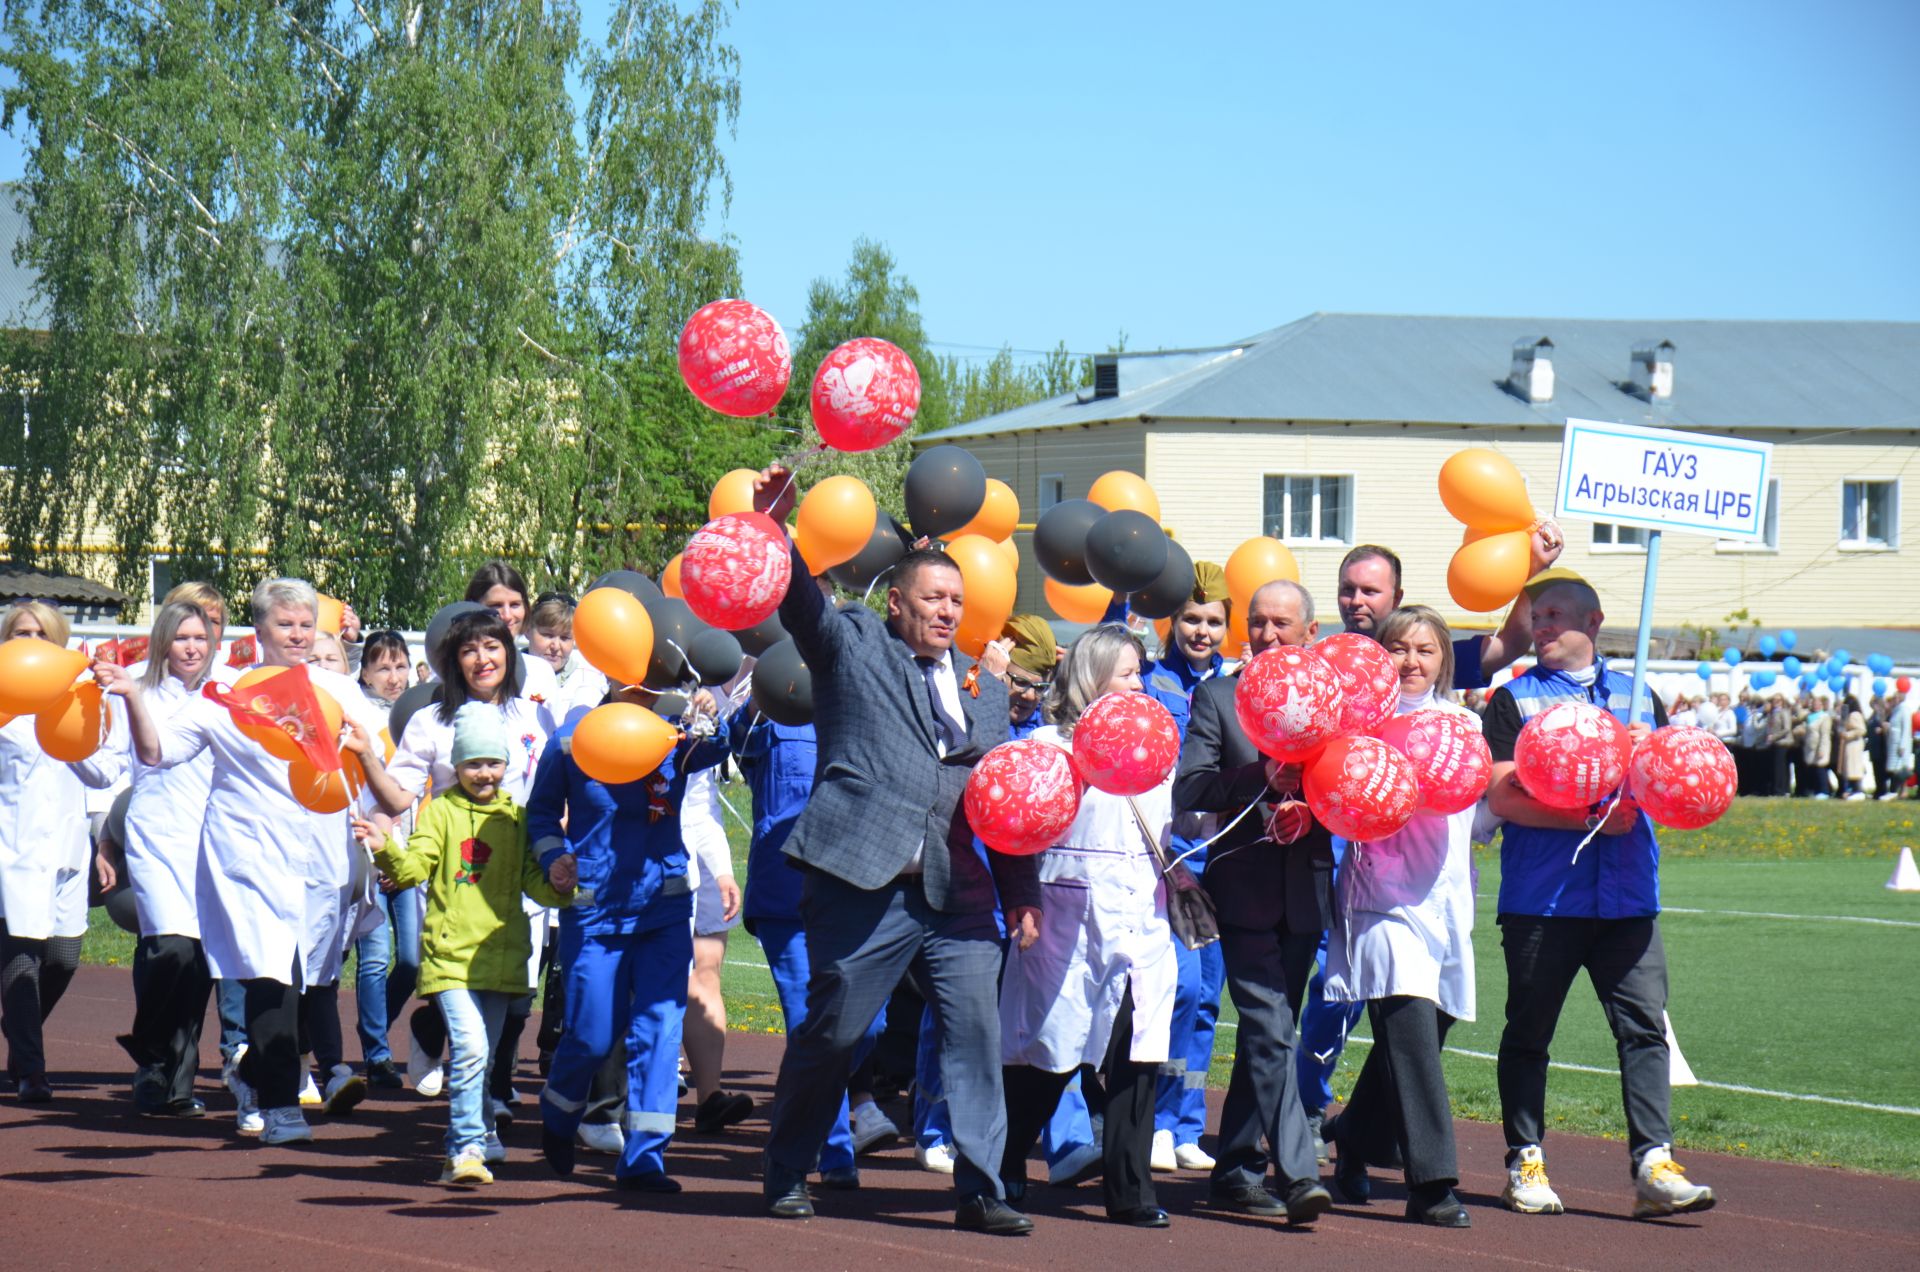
(470, 848)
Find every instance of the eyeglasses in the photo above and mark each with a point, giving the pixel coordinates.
(1021, 686)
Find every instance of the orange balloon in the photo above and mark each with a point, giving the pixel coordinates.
(1254, 564)
(989, 583)
(621, 742)
(999, 514)
(73, 729)
(1482, 489)
(612, 631)
(836, 519)
(327, 792)
(670, 578)
(1121, 489)
(1011, 550)
(386, 745)
(1237, 644)
(277, 742)
(732, 493)
(1488, 573)
(36, 674)
(330, 615)
(1078, 604)
(1163, 628)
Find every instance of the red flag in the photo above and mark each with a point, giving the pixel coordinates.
(109, 652)
(131, 650)
(285, 702)
(242, 654)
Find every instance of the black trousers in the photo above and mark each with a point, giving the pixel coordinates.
(1628, 966)
(272, 1063)
(1127, 1142)
(320, 1028)
(171, 986)
(34, 974)
(1400, 1099)
(1267, 975)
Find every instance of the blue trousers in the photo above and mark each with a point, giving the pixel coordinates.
(1324, 1027)
(785, 945)
(474, 1018)
(386, 968)
(631, 985)
(1180, 1102)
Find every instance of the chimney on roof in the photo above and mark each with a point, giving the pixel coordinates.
(1653, 370)
(1531, 377)
(1106, 375)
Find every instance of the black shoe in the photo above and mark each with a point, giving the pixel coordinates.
(657, 1183)
(720, 1110)
(1441, 1210)
(841, 1178)
(1350, 1175)
(34, 1089)
(1140, 1217)
(557, 1147)
(991, 1215)
(1248, 1199)
(382, 1075)
(1307, 1201)
(795, 1203)
(170, 1108)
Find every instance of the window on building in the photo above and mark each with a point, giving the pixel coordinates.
(1308, 509)
(160, 570)
(1607, 537)
(1053, 490)
(1870, 514)
(14, 414)
(1769, 525)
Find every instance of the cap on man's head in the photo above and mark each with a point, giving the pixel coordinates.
(1034, 649)
(1548, 577)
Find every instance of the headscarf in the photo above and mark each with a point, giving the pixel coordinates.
(1034, 649)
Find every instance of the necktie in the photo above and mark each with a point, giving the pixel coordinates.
(952, 733)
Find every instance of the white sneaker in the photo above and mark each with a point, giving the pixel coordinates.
(424, 1073)
(1192, 1157)
(601, 1137)
(1660, 1187)
(1527, 1190)
(872, 1129)
(468, 1166)
(1163, 1160)
(345, 1089)
(248, 1120)
(1856, 796)
(286, 1126)
(496, 1152)
(309, 1090)
(938, 1158)
(1074, 1164)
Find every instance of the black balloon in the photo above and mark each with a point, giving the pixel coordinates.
(121, 909)
(1163, 597)
(715, 656)
(407, 704)
(674, 627)
(443, 619)
(888, 544)
(782, 686)
(765, 634)
(632, 582)
(116, 827)
(945, 488)
(1126, 550)
(1060, 540)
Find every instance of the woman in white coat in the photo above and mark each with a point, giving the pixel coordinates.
(1097, 986)
(1402, 943)
(273, 874)
(43, 874)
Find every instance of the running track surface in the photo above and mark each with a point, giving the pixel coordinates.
(85, 1184)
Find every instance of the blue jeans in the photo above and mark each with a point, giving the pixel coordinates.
(231, 998)
(1180, 1101)
(785, 945)
(474, 1018)
(1324, 1027)
(386, 968)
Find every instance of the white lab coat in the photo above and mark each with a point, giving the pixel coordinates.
(274, 876)
(1405, 923)
(1103, 920)
(44, 850)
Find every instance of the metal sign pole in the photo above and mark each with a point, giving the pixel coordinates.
(1645, 635)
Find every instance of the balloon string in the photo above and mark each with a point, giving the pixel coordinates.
(1209, 842)
(1599, 821)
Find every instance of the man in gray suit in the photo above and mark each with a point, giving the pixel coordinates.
(1273, 899)
(893, 884)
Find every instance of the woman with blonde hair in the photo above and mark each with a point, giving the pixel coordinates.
(1097, 987)
(43, 873)
(1402, 943)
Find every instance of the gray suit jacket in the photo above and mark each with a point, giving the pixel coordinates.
(1256, 885)
(882, 788)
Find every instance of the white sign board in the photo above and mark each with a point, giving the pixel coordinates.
(1664, 480)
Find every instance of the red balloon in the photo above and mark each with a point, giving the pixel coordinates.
(734, 358)
(1022, 796)
(1125, 744)
(1367, 677)
(1450, 757)
(1361, 789)
(1289, 702)
(1904, 684)
(1572, 755)
(735, 570)
(1682, 777)
(865, 395)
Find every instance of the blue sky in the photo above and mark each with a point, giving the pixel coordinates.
(1190, 174)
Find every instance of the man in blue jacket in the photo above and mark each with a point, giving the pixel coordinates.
(626, 943)
(1567, 904)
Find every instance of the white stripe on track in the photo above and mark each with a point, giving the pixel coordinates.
(1810, 918)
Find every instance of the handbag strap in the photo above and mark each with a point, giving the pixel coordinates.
(1153, 845)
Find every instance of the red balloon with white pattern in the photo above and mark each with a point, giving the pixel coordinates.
(1572, 755)
(1450, 758)
(1022, 796)
(1289, 701)
(1367, 677)
(734, 358)
(865, 394)
(735, 570)
(1683, 778)
(1361, 789)
(1125, 744)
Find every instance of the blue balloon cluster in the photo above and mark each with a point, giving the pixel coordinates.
(1704, 670)
(1880, 686)
(1789, 638)
(1767, 646)
(1880, 664)
(1790, 665)
(1762, 679)
(1730, 656)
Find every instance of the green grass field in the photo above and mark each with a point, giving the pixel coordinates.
(1805, 1006)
